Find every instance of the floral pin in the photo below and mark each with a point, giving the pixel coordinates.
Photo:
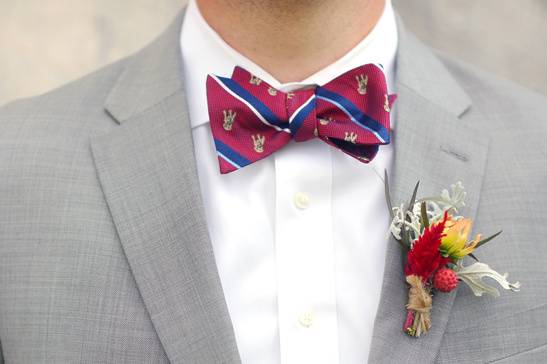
(435, 239)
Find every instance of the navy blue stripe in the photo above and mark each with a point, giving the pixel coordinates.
(368, 151)
(231, 154)
(256, 103)
(359, 117)
(296, 123)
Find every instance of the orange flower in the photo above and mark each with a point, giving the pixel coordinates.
(454, 243)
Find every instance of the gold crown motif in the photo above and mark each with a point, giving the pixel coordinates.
(229, 118)
(362, 82)
(258, 142)
(350, 137)
(255, 80)
(325, 121)
(386, 104)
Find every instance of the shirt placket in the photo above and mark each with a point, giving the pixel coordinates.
(305, 254)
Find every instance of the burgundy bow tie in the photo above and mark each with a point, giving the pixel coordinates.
(250, 119)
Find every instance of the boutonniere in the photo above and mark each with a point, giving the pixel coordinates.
(436, 239)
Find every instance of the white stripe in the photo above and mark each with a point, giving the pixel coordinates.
(228, 160)
(352, 118)
(300, 108)
(258, 115)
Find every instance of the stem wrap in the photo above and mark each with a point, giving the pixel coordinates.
(419, 301)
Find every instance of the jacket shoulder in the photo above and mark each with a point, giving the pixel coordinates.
(45, 139)
(500, 103)
(67, 111)
(511, 117)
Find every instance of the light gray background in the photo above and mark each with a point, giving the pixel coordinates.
(45, 43)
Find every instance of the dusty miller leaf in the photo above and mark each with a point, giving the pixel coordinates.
(472, 275)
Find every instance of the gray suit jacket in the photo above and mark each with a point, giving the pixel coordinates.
(104, 250)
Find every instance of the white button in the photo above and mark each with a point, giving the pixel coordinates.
(301, 200)
(306, 319)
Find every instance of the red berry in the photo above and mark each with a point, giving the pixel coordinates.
(445, 280)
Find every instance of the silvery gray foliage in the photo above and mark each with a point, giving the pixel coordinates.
(436, 206)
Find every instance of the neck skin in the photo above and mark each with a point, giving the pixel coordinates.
(292, 39)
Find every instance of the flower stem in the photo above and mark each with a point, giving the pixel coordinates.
(409, 323)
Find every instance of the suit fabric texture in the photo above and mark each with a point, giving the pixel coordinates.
(104, 250)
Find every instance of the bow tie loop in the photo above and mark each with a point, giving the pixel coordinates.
(250, 119)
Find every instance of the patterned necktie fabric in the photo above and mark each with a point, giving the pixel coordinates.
(250, 119)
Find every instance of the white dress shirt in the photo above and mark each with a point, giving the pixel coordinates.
(299, 237)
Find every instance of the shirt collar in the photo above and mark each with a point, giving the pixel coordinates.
(205, 52)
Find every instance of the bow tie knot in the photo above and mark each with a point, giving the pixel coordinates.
(251, 119)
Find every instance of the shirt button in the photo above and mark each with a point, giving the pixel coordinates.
(301, 200)
(306, 319)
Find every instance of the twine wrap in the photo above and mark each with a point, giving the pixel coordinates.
(419, 302)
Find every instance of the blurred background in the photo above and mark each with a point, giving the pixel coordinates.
(45, 43)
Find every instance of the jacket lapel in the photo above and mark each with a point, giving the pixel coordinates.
(147, 170)
(435, 145)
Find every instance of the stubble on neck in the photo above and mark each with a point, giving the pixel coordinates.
(292, 39)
